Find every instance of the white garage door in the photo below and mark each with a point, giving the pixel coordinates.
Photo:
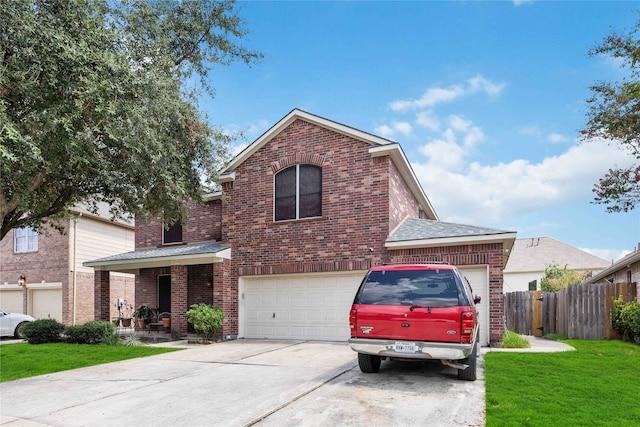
(479, 279)
(312, 307)
(11, 300)
(46, 303)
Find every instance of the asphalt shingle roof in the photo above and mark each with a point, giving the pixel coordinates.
(531, 254)
(423, 229)
(167, 251)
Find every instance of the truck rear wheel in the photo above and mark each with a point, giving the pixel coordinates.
(369, 363)
(469, 374)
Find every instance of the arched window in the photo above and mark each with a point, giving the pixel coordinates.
(298, 192)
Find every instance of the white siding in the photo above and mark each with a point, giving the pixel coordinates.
(98, 239)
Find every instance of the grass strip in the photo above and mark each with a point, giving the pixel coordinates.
(27, 360)
(596, 385)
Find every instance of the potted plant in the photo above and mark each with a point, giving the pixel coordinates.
(166, 320)
(126, 314)
(144, 314)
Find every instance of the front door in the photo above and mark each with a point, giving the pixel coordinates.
(164, 293)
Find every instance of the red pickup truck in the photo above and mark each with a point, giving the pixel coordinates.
(417, 311)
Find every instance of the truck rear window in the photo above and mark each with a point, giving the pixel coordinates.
(429, 288)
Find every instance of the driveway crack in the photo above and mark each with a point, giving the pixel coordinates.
(296, 398)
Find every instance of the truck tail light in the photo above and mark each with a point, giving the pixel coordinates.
(352, 321)
(467, 326)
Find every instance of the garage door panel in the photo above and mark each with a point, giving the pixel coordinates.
(306, 307)
(478, 279)
(46, 303)
(11, 300)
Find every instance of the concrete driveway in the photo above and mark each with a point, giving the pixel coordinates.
(243, 383)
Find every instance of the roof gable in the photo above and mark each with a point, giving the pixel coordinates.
(294, 115)
(378, 147)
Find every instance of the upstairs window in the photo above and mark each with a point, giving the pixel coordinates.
(173, 234)
(25, 240)
(298, 192)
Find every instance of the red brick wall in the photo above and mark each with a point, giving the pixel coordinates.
(402, 204)
(179, 300)
(199, 291)
(85, 305)
(50, 263)
(482, 254)
(203, 224)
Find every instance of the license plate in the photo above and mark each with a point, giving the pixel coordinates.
(405, 347)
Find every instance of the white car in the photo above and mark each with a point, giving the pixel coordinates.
(11, 323)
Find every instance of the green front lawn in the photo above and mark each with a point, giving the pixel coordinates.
(27, 360)
(596, 385)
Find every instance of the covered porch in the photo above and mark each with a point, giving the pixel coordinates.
(169, 279)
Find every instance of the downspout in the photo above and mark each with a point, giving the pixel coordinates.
(75, 267)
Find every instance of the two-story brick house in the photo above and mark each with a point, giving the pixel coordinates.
(57, 285)
(303, 212)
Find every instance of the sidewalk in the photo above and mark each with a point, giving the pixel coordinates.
(538, 345)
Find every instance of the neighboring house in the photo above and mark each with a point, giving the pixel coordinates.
(302, 214)
(530, 256)
(58, 286)
(625, 270)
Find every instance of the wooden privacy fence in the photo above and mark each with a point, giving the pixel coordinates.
(580, 311)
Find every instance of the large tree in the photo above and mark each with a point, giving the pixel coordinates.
(614, 117)
(98, 103)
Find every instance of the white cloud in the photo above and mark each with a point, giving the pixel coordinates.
(464, 192)
(454, 144)
(474, 134)
(386, 131)
(449, 155)
(610, 255)
(427, 120)
(556, 138)
(403, 127)
(438, 95)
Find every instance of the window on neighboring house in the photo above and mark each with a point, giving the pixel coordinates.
(298, 192)
(173, 234)
(25, 240)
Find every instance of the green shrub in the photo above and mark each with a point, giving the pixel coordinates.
(206, 319)
(42, 331)
(625, 318)
(93, 332)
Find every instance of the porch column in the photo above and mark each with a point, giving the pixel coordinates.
(102, 295)
(225, 297)
(179, 300)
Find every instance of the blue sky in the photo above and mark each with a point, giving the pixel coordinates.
(486, 99)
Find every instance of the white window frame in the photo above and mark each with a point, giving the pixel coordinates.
(28, 240)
